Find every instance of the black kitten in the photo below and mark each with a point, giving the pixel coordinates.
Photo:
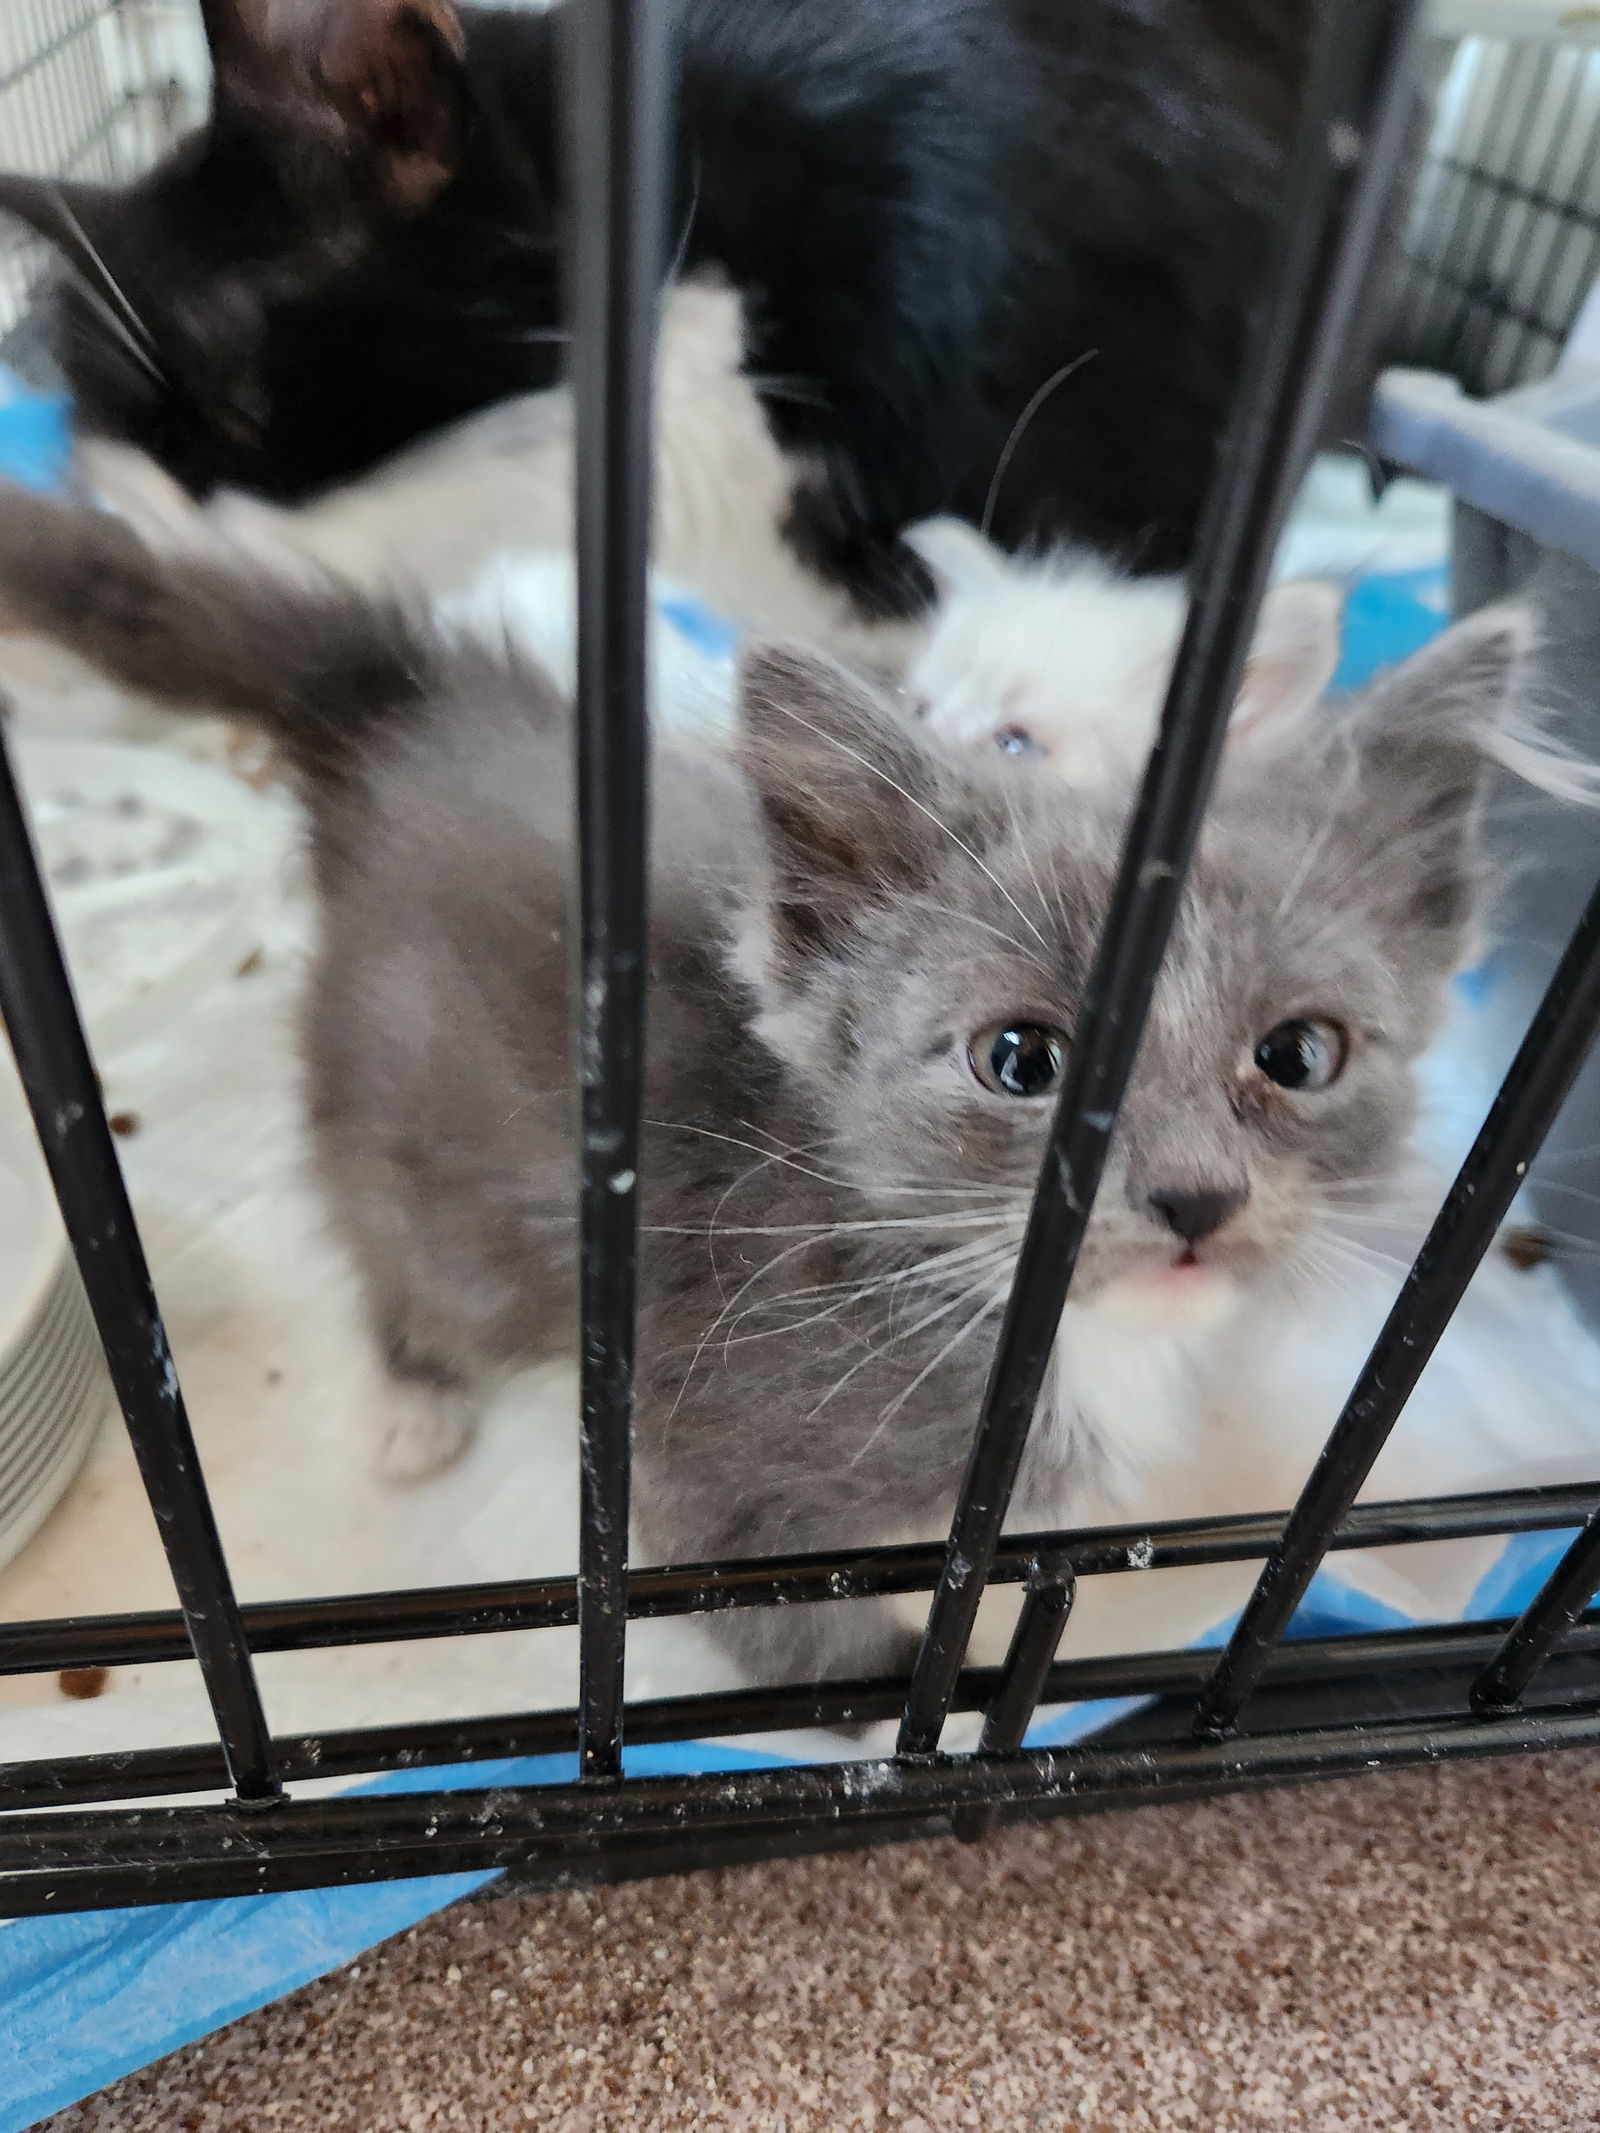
(933, 208)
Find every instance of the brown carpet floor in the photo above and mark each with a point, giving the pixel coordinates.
(1419, 1950)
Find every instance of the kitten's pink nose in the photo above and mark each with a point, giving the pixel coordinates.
(1193, 1215)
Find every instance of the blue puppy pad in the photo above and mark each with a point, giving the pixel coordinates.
(95, 1995)
(1515, 1577)
(1388, 617)
(90, 1997)
(698, 625)
(35, 435)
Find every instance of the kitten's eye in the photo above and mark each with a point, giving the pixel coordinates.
(1018, 1059)
(1303, 1055)
(1016, 740)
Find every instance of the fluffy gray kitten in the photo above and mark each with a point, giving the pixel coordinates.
(869, 951)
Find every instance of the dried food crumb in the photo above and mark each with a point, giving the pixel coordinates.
(250, 965)
(125, 1124)
(1527, 1248)
(83, 1683)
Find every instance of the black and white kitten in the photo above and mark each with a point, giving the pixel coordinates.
(868, 954)
(488, 503)
(942, 216)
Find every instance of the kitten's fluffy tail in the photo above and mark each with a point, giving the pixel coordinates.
(315, 664)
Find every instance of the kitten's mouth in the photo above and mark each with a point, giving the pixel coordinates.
(1184, 1294)
(1187, 1271)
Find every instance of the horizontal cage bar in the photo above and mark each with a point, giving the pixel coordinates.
(55, 1862)
(419, 1744)
(551, 1603)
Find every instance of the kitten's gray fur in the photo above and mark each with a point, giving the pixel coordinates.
(835, 914)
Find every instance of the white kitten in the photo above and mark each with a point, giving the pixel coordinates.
(1058, 657)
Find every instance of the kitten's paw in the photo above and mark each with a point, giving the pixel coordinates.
(418, 1430)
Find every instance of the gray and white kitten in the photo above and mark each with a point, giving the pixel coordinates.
(869, 950)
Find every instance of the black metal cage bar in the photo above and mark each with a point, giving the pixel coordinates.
(1306, 1669)
(54, 1862)
(793, 1581)
(41, 1018)
(618, 68)
(1316, 1707)
(1548, 1618)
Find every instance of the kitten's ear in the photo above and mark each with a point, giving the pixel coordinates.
(395, 68)
(1454, 702)
(1425, 737)
(961, 558)
(850, 798)
(381, 78)
(1293, 657)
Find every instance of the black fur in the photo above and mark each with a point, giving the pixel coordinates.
(932, 208)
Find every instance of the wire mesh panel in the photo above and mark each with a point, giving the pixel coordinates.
(1504, 242)
(91, 89)
(1265, 1711)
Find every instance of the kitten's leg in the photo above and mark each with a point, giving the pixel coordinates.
(418, 1415)
(420, 1418)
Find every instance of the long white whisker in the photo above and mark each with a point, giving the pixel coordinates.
(927, 1273)
(1021, 843)
(125, 339)
(110, 285)
(682, 251)
(938, 822)
(825, 1229)
(971, 918)
(721, 1319)
(882, 1347)
(823, 1177)
(1019, 430)
(990, 1306)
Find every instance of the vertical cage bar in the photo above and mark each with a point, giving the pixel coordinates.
(1046, 1610)
(1544, 1622)
(41, 1019)
(1546, 1065)
(1348, 155)
(1040, 1626)
(618, 59)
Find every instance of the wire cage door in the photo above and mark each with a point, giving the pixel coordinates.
(1262, 1711)
(1505, 228)
(89, 89)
